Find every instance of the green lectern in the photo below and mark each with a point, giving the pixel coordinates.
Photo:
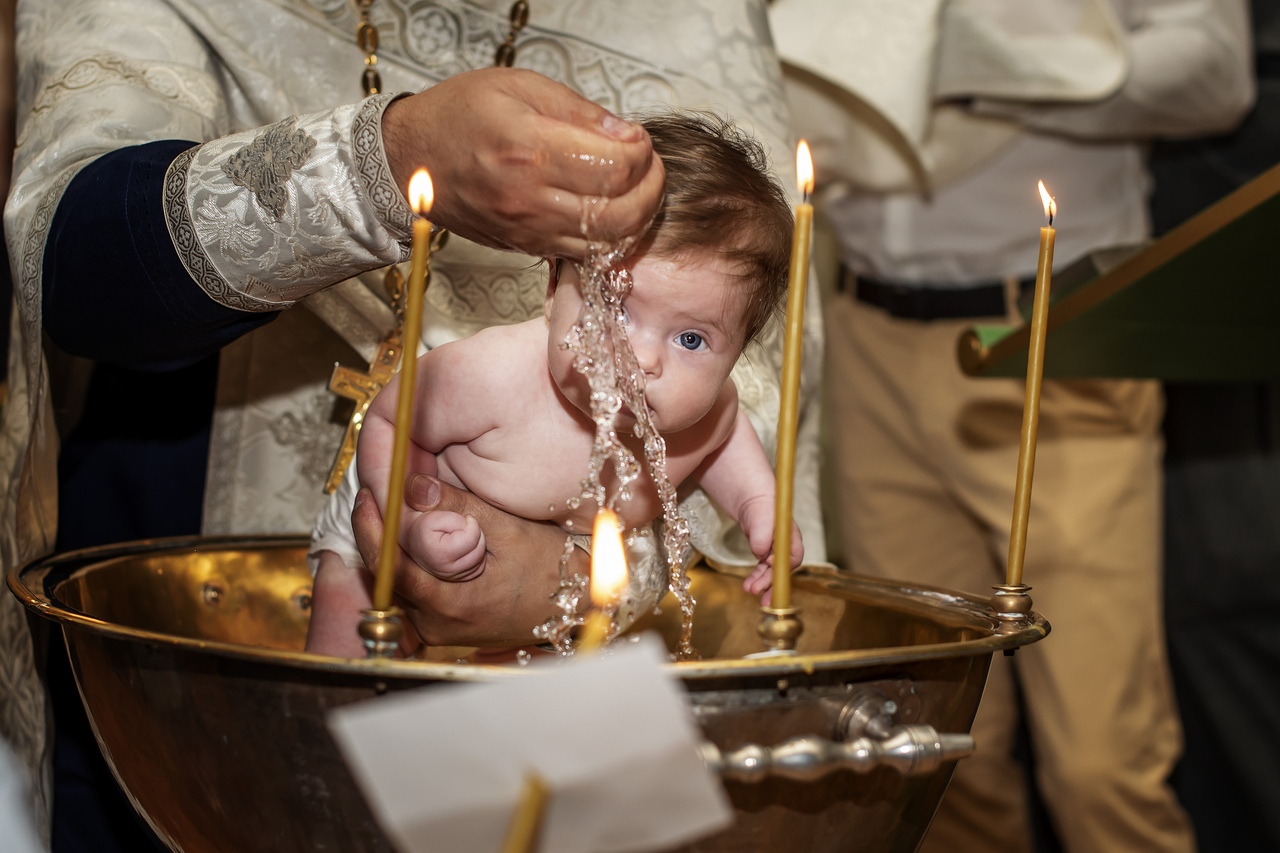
(1201, 303)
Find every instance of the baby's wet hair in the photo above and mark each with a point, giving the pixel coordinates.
(721, 198)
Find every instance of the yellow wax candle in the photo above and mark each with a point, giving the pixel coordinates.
(789, 405)
(420, 196)
(522, 834)
(595, 629)
(608, 578)
(1031, 406)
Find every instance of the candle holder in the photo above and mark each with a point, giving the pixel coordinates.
(1011, 606)
(381, 631)
(780, 627)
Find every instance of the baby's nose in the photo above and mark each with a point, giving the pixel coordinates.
(648, 355)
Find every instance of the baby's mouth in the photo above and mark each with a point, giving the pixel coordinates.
(626, 413)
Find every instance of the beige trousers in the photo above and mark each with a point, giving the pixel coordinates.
(925, 460)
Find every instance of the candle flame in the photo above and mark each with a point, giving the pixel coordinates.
(421, 192)
(804, 169)
(1050, 206)
(608, 559)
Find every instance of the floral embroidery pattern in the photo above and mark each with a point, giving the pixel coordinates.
(187, 243)
(308, 433)
(171, 81)
(265, 165)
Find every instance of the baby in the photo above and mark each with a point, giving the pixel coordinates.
(505, 414)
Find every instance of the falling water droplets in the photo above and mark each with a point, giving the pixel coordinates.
(603, 355)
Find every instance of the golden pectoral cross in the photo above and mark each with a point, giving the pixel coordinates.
(363, 387)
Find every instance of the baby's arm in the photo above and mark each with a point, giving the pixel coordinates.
(446, 376)
(738, 477)
(342, 586)
(377, 435)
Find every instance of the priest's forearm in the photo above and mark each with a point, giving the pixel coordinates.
(114, 289)
(164, 252)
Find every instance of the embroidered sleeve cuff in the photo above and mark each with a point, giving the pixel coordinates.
(263, 218)
(387, 198)
(112, 286)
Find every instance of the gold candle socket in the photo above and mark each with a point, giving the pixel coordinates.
(381, 631)
(780, 627)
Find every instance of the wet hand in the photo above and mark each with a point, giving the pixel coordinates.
(756, 520)
(522, 162)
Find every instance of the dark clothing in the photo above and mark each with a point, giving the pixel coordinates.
(132, 468)
(133, 465)
(1222, 597)
(114, 288)
(1222, 520)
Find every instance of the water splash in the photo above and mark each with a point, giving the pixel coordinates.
(558, 630)
(603, 355)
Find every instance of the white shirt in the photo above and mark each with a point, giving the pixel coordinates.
(1185, 70)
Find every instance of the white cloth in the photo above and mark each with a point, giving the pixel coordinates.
(1187, 73)
(97, 75)
(332, 530)
(19, 830)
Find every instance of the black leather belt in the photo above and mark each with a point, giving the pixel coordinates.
(930, 302)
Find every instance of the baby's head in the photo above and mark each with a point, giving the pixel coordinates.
(707, 277)
(722, 202)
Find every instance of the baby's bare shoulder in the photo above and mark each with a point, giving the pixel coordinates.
(498, 357)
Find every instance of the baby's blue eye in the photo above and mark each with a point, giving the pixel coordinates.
(690, 340)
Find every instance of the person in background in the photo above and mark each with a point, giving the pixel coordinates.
(1221, 502)
(936, 213)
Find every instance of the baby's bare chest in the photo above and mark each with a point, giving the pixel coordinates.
(536, 468)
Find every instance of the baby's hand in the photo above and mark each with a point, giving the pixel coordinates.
(449, 545)
(756, 519)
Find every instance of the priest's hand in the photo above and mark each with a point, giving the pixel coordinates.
(499, 607)
(519, 161)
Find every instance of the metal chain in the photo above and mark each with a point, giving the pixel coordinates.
(361, 387)
(367, 39)
(519, 16)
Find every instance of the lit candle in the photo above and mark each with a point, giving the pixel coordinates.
(789, 405)
(421, 195)
(1031, 406)
(608, 578)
